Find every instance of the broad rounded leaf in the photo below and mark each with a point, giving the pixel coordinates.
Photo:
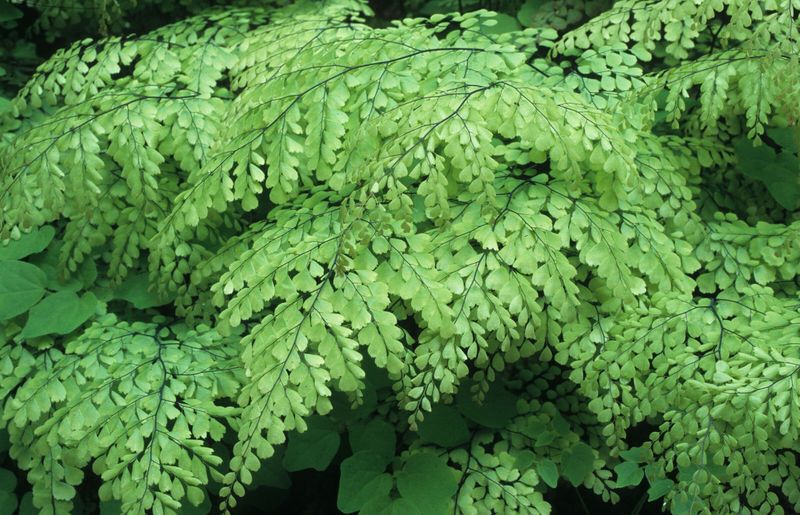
(29, 243)
(21, 286)
(577, 463)
(26, 506)
(778, 171)
(313, 449)
(376, 436)
(135, 289)
(628, 474)
(548, 471)
(527, 11)
(8, 481)
(110, 507)
(659, 489)
(272, 474)
(499, 23)
(8, 501)
(634, 454)
(495, 411)
(428, 482)
(59, 313)
(362, 479)
(444, 426)
(401, 507)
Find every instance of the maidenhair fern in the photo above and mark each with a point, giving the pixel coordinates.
(137, 401)
(488, 250)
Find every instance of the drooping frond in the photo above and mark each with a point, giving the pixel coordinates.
(138, 401)
(545, 239)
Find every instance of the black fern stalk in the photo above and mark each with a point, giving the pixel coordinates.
(464, 263)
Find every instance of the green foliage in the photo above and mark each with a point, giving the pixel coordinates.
(138, 401)
(28, 244)
(59, 313)
(777, 170)
(8, 482)
(460, 260)
(578, 463)
(363, 481)
(56, 19)
(313, 449)
(17, 55)
(22, 286)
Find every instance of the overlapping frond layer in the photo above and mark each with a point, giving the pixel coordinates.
(139, 401)
(550, 220)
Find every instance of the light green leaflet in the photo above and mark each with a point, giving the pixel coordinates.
(459, 260)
